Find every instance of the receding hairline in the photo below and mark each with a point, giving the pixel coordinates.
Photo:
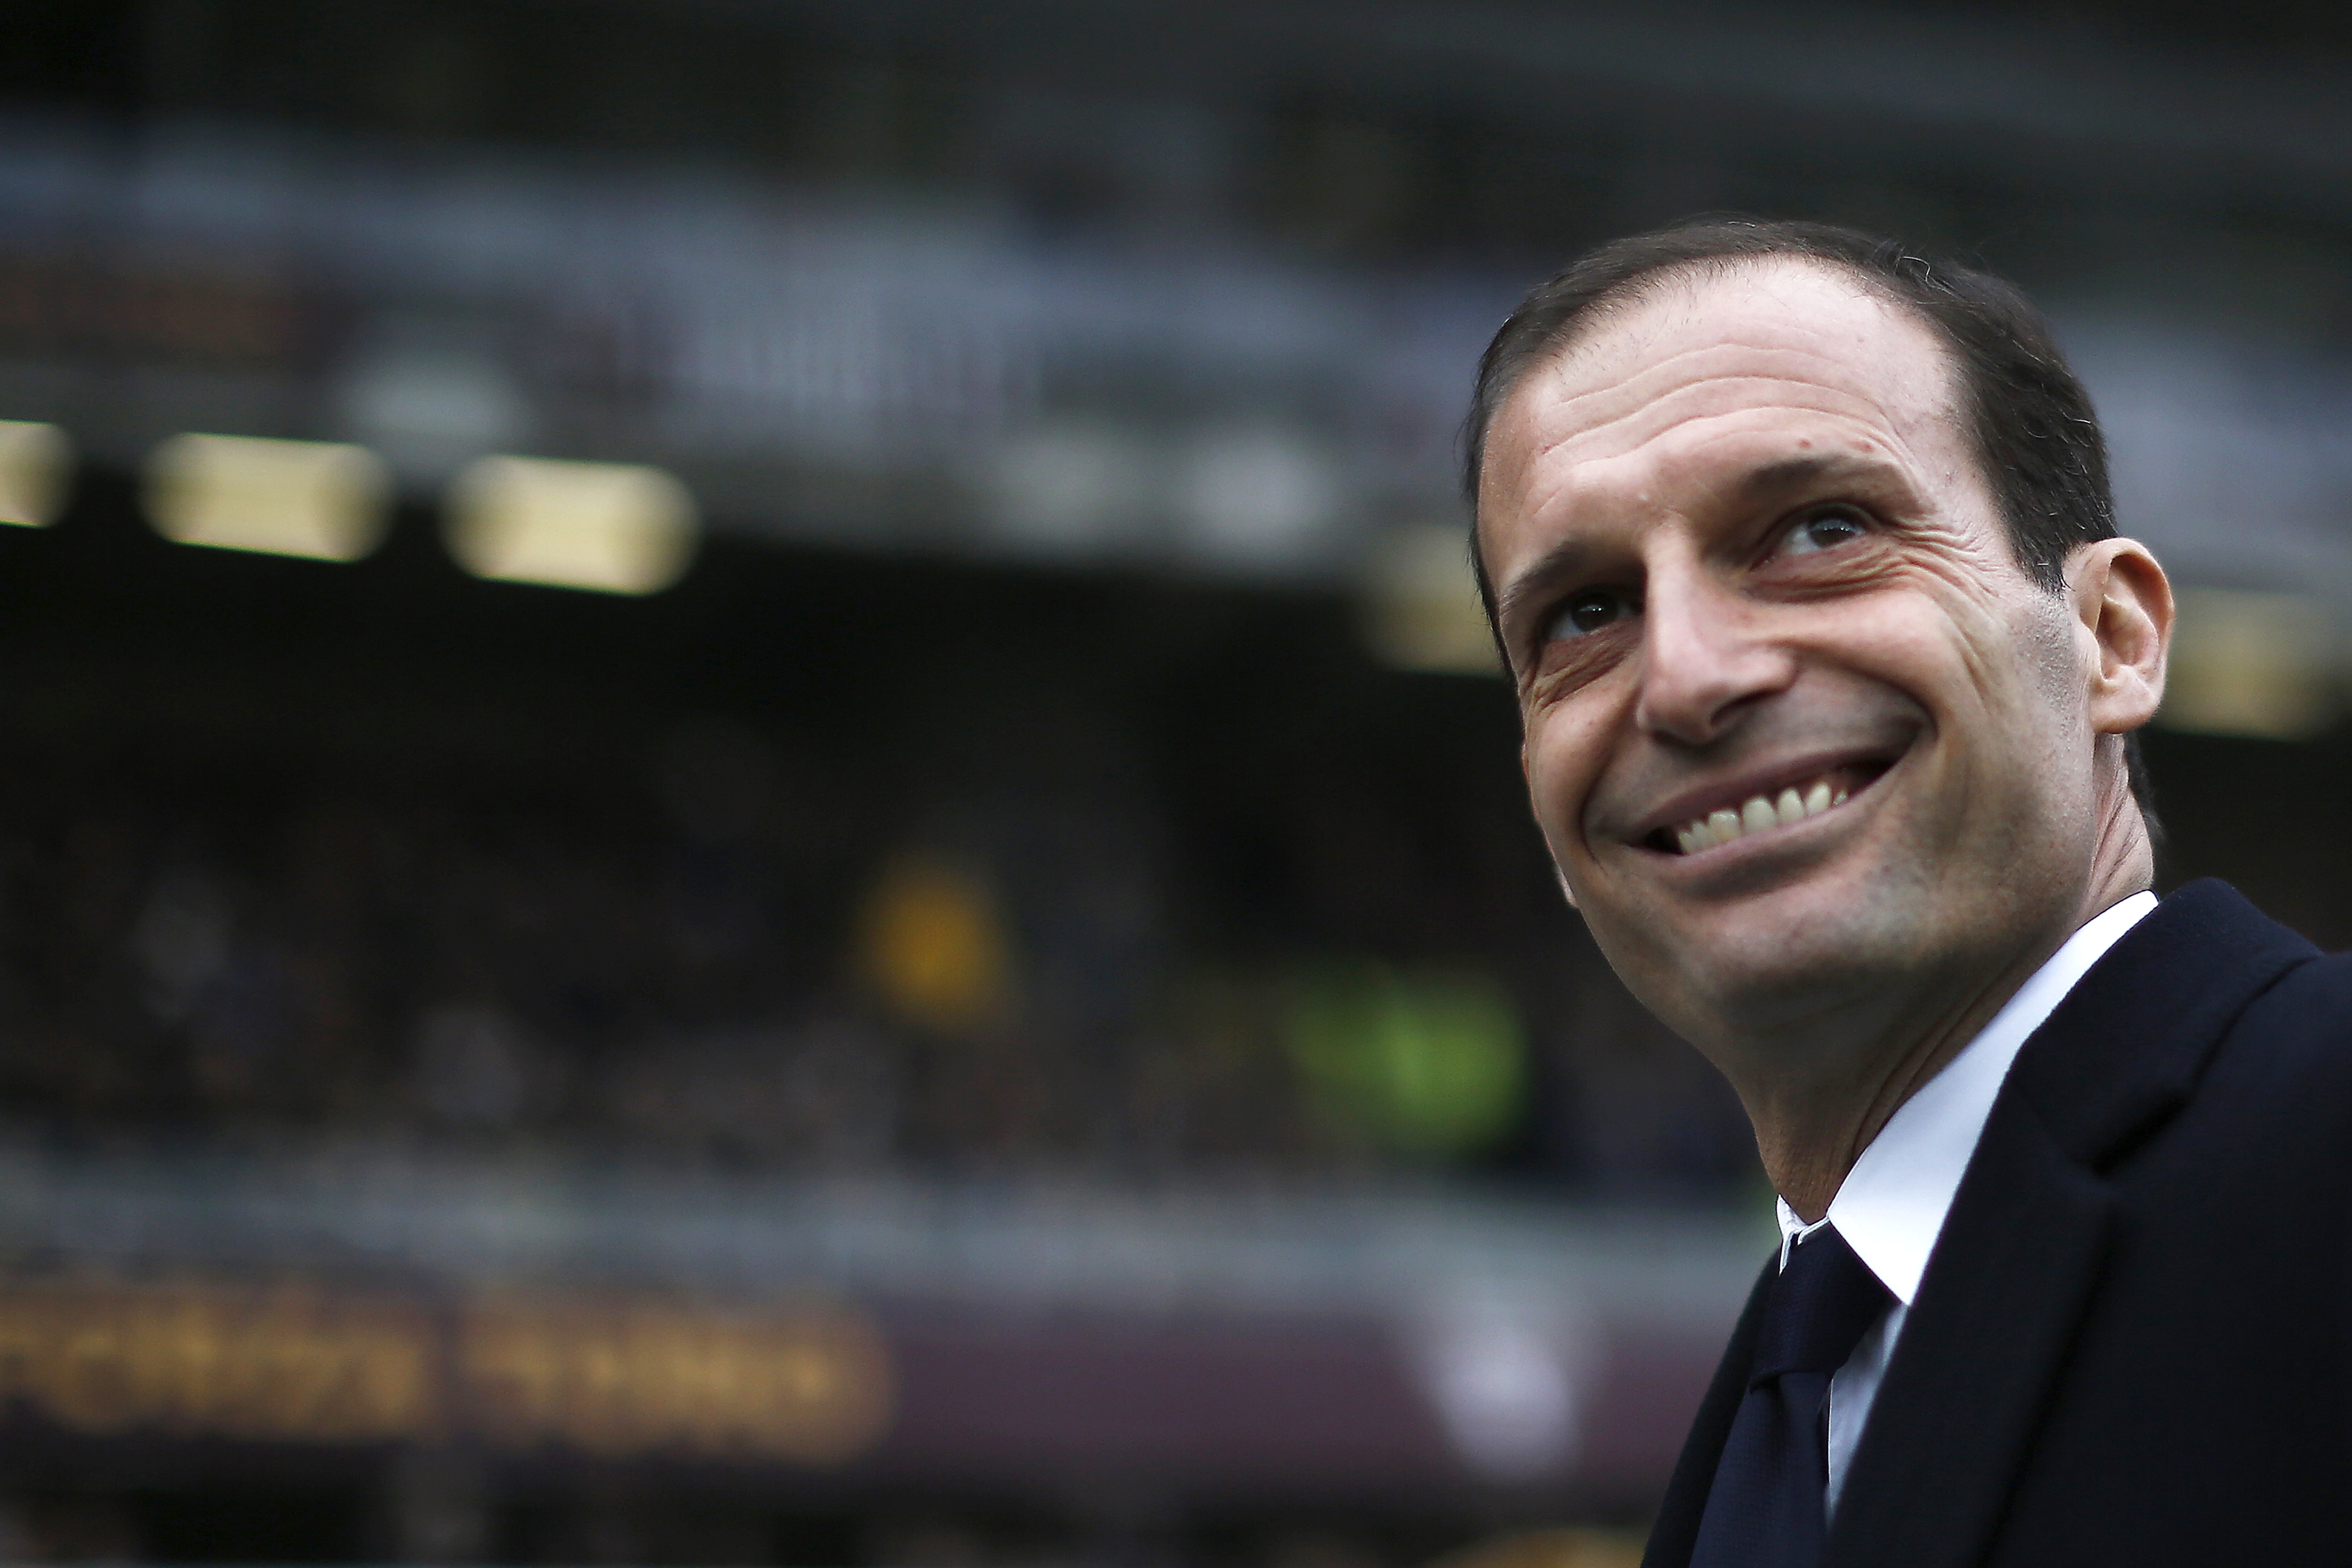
(1692, 275)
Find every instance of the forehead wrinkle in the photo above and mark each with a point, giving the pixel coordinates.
(1688, 364)
(1819, 380)
(1645, 421)
(1623, 350)
(1669, 430)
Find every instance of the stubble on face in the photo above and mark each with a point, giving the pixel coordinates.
(1671, 457)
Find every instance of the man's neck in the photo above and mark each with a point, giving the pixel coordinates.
(1809, 1141)
(1810, 1130)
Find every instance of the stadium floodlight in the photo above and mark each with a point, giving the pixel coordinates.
(322, 501)
(613, 528)
(35, 460)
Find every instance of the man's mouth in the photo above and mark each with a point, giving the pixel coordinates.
(1798, 800)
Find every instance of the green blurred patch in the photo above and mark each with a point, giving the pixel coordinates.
(1423, 1062)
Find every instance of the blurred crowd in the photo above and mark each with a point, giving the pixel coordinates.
(729, 953)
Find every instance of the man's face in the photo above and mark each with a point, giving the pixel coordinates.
(1797, 723)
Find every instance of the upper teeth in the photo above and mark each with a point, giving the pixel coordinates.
(1759, 813)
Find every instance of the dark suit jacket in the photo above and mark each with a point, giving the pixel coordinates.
(2130, 1347)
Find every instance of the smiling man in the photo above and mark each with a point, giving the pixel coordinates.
(1800, 550)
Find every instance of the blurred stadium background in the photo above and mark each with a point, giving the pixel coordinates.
(749, 808)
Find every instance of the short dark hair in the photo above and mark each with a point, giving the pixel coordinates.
(2032, 424)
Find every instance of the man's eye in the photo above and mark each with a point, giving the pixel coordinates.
(1588, 611)
(1825, 528)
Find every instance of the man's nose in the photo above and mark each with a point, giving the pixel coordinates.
(1705, 657)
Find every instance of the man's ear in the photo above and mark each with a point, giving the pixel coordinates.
(2124, 602)
(1565, 890)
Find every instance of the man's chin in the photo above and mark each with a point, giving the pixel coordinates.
(1763, 960)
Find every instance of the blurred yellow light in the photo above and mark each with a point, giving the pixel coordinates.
(1420, 604)
(935, 946)
(617, 528)
(322, 501)
(34, 462)
(2250, 664)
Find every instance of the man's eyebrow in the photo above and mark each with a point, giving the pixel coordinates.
(1567, 558)
(1795, 473)
(1564, 559)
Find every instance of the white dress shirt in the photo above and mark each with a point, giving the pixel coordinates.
(1892, 1205)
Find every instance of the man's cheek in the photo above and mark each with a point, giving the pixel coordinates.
(1558, 809)
(1559, 827)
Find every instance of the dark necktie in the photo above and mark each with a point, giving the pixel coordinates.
(1768, 1507)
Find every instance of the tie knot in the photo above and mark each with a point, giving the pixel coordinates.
(1822, 1305)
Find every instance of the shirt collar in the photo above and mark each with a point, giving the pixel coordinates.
(1892, 1205)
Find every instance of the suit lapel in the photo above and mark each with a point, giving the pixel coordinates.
(1676, 1531)
(1978, 1356)
(2020, 1256)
